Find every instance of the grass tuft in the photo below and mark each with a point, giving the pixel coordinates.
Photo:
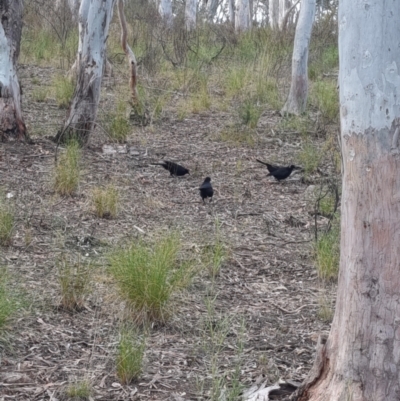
(324, 95)
(6, 221)
(7, 306)
(105, 201)
(117, 125)
(80, 390)
(325, 310)
(148, 276)
(309, 158)
(68, 172)
(237, 135)
(74, 280)
(39, 94)
(64, 90)
(250, 112)
(130, 355)
(327, 253)
(215, 254)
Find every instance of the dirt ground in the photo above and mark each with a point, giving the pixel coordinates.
(268, 289)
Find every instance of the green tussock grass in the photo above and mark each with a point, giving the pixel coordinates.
(68, 172)
(63, 88)
(7, 220)
(81, 390)
(105, 201)
(148, 275)
(7, 305)
(74, 280)
(130, 353)
(327, 253)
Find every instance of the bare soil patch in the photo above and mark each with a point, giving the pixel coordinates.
(269, 281)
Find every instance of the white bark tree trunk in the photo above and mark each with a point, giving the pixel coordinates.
(212, 6)
(94, 22)
(361, 358)
(231, 7)
(190, 14)
(283, 6)
(242, 16)
(12, 124)
(165, 10)
(273, 7)
(297, 99)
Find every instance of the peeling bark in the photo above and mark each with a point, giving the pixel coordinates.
(12, 124)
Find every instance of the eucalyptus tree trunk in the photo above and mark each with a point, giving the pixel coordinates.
(273, 13)
(231, 9)
(283, 6)
(94, 22)
(297, 99)
(242, 16)
(212, 6)
(190, 14)
(360, 360)
(165, 10)
(12, 124)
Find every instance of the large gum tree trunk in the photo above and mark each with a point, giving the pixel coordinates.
(94, 22)
(242, 16)
(12, 124)
(190, 14)
(297, 99)
(360, 360)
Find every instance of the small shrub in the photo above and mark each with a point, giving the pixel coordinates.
(74, 280)
(64, 89)
(80, 390)
(6, 221)
(148, 276)
(105, 201)
(7, 306)
(68, 172)
(130, 354)
(327, 253)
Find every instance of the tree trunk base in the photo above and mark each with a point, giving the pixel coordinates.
(317, 373)
(12, 127)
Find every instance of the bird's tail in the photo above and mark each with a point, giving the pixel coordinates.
(265, 164)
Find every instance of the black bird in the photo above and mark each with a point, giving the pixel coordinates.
(173, 168)
(280, 173)
(206, 189)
